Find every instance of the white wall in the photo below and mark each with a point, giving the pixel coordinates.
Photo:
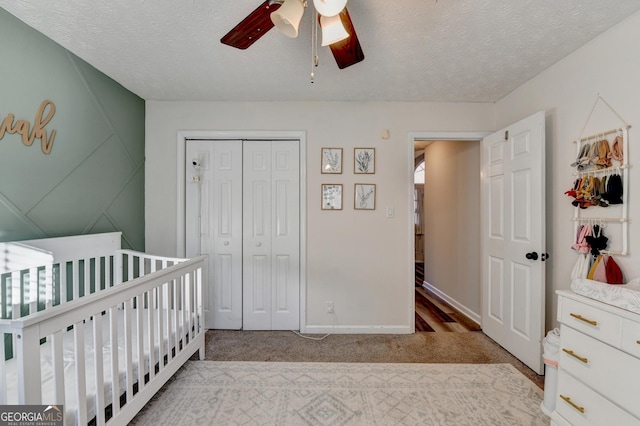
(567, 91)
(452, 222)
(360, 260)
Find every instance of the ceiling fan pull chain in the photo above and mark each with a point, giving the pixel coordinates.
(314, 43)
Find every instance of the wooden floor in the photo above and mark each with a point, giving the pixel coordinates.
(435, 315)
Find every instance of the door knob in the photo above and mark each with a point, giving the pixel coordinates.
(532, 256)
(544, 256)
(258, 244)
(226, 243)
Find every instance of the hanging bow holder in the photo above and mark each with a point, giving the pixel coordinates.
(600, 190)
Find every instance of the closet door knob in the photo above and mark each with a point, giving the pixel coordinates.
(532, 256)
(258, 244)
(544, 256)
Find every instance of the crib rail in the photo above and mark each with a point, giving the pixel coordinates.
(160, 301)
(30, 290)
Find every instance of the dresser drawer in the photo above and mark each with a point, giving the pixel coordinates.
(608, 371)
(630, 339)
(580, 405)
(592, 321)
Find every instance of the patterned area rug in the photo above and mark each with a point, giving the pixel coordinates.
(286, 393)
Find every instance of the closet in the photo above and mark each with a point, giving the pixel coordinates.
(242, 211)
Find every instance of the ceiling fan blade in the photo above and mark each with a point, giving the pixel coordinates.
(348, 51)
(254, 26)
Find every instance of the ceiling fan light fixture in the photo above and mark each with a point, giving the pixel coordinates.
(287, 17)
(333, 30)
(329, 7)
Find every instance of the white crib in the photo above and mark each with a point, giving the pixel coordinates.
(91, 311)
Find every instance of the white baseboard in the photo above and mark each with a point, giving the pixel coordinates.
(454, 303)
(357, 329)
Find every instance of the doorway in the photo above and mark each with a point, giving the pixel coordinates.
(511, 284)
(240, 201)
(447, 226)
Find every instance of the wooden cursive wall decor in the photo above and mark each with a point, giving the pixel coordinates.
(44, 115)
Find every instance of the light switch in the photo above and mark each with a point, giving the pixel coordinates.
(390, 212)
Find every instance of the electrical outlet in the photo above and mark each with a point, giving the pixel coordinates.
(329, 307)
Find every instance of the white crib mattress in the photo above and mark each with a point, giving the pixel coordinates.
(625, 296)
(71, 403)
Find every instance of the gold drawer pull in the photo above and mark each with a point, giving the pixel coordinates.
(578, 357)
(571, 403)
(581, 318)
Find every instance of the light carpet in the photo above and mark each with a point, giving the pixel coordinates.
(288, 393)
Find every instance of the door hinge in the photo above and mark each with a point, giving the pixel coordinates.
(506, 135)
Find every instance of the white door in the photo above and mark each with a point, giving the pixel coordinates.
(513, 238)
(242, 210)
(214, 225)
(271, 239)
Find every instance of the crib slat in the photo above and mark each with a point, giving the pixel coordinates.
(33, 290)
(63, 282)
(128, 349)
(3, 367)
(87, 277)
(27, 352)
(4, 302)
(162, 339)
(115, 368)
(49, 286)
(183, 309)
(118, 268)
(140, 340)
(97, 274)
(107, 272)
(57, 359)
(130, 267)
(16, 289)
(81, 384)
(75, 283)
(168, 297)
(200, 310)
(15, 301)
(151, 336)
(152, 269)
(99, 368)
(188, 324)
(174, 315)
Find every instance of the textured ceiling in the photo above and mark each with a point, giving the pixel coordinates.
(415, 50)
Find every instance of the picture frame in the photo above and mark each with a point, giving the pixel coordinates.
(331, 196)
(364, 196)
(364, 160)
(331, 161)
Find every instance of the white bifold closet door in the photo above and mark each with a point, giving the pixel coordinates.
(242, 211)
(271, 235)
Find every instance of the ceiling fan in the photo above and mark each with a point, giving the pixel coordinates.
(338, 31)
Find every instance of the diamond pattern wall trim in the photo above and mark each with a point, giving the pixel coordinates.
(93, 179)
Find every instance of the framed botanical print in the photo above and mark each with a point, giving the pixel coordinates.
(364, 160)
(331, 160)
(331, 196)
(364, 196)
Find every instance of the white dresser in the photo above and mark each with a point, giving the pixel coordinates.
(598, 364)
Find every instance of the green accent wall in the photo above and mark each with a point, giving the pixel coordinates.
(93, 179)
